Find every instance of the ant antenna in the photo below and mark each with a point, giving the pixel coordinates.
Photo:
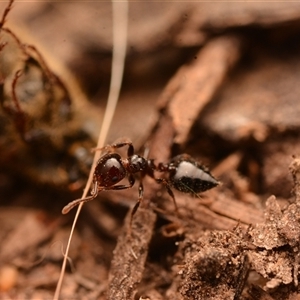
(94, 194)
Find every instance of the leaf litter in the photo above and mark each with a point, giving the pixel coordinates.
(235, 110)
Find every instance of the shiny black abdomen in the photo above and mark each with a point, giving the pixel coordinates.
(188, 176)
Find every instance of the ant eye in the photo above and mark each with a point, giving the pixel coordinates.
(115, 179)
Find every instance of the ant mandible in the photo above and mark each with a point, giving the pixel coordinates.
(185, 174)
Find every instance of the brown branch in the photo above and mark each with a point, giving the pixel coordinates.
(130, 255)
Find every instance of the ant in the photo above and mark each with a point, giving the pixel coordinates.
(185, 174)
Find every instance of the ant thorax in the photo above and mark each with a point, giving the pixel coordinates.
(136, 163)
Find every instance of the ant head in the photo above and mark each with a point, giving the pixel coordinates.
(109, 170)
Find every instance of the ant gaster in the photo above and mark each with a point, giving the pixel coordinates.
(185, 174)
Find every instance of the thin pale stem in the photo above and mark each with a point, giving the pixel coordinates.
(120, 20)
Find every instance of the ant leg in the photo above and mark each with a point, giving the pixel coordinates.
(74, 203)
(124, 142)
(137, 204)
(118, 144)
(94, 194)
(170, 192)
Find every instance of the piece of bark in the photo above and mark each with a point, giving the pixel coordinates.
(205, 18)
(276, 158)
(236, 210)
(289, 226)
(213, 209)
(131, 251)
(255, 102)
(184, 24)
(295, 171)
(130, 256)
(194, 85)
(281, 228)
